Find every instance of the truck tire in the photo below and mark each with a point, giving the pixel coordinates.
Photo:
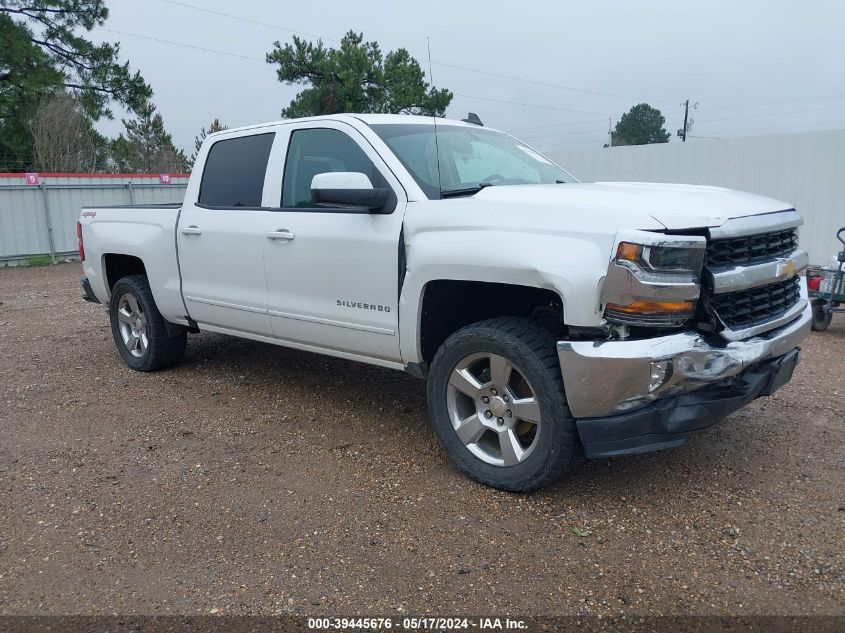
(497, 403)
(821, 317)
(138, 328)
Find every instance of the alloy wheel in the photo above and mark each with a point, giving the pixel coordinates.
(133, 325)
(493, 409)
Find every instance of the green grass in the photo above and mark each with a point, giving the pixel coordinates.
(39, 260)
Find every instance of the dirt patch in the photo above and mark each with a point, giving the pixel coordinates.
(256, 479)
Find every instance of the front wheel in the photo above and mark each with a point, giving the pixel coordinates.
(496, 399)
(139, 330)
(821, 315)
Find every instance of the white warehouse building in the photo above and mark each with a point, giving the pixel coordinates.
(806, 169)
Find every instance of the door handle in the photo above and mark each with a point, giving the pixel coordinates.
(192, 230)
(281, 234)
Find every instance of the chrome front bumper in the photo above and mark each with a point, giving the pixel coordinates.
(605, 378)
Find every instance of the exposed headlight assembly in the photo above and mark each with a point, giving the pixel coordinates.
(653, 280)
(663, 262)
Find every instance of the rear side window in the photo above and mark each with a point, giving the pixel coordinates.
(234, 171)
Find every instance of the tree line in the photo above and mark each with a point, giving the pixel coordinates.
(55, 85)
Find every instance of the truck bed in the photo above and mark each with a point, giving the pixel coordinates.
(144, 238)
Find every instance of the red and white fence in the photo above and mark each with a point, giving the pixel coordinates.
(38, 211)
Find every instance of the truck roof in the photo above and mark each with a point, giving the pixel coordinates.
(369, 119)
(406, 119)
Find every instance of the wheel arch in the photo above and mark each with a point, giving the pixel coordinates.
(447, 305)
(118, 265)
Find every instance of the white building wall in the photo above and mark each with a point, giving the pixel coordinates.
(806, 169)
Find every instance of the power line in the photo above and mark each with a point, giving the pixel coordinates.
(435, 62)
(184, 45)
(782, 127)
(247, 20)
(218, 52)
(229, 54)
(756, 105)
(759, 129)
(708, 121)
(534, 81)
(454, 66)
(769, 114)
(572, 133)
(529, 105)
(603, 140)
(543, 127)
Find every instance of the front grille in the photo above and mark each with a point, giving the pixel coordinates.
(746, 308)
(751, 249)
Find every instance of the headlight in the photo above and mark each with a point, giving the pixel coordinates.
(663, 262)
(653, 279)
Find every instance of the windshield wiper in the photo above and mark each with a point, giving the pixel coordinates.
(465, 191)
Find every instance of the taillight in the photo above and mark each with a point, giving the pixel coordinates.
(79, 245)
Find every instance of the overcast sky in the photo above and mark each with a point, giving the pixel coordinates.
(753, 66)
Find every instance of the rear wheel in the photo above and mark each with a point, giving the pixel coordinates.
(496, 399)
(821, 315)
(139, 330)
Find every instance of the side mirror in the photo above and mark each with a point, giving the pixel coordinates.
(348, 189)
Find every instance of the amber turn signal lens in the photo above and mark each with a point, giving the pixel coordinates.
(654, 307)
(628, 251)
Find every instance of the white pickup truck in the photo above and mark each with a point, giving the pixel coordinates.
(550, 318)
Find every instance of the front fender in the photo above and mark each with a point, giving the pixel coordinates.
(571, 266)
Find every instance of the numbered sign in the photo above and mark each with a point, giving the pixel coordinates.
(164, 179)
(32, 179)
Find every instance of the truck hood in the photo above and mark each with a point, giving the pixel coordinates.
(641, 203)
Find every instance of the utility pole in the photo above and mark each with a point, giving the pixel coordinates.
(682, 133)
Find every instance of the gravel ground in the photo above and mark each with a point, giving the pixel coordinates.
(255, 479)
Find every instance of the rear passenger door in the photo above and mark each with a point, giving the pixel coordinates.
(334, 282)
(222, 233)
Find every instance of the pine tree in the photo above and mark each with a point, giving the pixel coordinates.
(355, 77)
(641, 125)
(216, 126)
(147, 147)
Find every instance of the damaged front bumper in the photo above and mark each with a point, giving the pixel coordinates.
(640, 395)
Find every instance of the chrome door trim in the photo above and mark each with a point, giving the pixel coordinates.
(343, 324)
(224, 304)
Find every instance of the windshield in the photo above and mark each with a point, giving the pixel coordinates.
(470, 158)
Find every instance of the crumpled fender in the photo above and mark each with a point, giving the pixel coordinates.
(571, 266)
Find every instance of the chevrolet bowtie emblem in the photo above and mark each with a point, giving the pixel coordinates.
(786, 268)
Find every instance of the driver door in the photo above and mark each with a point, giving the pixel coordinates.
(333, 283)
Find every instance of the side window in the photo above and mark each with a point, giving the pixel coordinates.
(318, 151)
(234, 171)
